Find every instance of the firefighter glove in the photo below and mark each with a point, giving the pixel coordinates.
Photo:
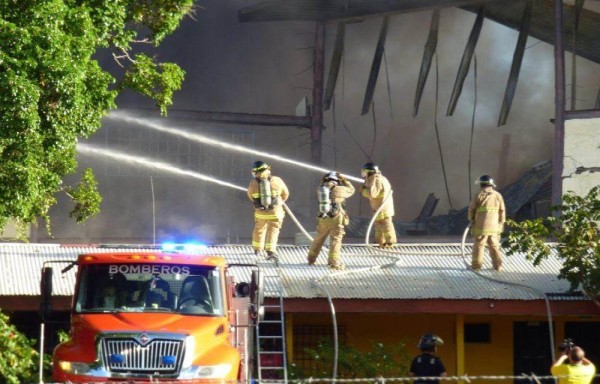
(341, 177)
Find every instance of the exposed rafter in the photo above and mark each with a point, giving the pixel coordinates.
(510, 13)
(465, 62)
(430, 48)
(336, 10)
(515, 68)
(375, 66)
(506, 12)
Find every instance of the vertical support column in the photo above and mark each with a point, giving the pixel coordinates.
(316, 127)
(559, 330)
(289, 337)
(460, 345)
(559, 103)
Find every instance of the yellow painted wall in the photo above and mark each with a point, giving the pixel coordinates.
(494, 358)
(364, 329)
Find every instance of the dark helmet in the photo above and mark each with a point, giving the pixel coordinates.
(331, 176)
(429, 341)
(370, 167)
(259, 166)
(485, 180)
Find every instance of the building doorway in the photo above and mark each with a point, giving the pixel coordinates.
(531, 353)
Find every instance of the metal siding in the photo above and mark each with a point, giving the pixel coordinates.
(422, 271)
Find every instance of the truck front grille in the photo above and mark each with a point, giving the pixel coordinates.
(128, 355)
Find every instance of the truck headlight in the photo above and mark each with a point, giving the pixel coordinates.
(213, 371)
(74, 367)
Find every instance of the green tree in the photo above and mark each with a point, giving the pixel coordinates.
(53, 91)
(575, 232)
(380, 361)
(18, 357)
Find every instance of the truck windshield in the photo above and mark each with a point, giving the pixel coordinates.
(185, 289)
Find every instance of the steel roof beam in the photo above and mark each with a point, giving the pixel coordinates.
(226, 117)
(465, 62)
(430, 48)
(375, 66)
(515, 69)
(334, 66)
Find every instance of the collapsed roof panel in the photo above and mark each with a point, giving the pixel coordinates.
(509, 13)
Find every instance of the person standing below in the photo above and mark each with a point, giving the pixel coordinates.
(579, 370)
(332, 219)
(268, 194)
(377, 189)
(487, 215)
(427, 364)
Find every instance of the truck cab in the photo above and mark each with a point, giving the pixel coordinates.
(154, 316)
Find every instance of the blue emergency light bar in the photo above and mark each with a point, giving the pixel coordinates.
(183, 248)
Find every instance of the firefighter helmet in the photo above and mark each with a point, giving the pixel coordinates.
(331, 176)
(485, 180)
(429, 341)
(259, 166)
(370, 167)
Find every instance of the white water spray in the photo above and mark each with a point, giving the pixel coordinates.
(206, 140)
(84, 148)
(87, 149)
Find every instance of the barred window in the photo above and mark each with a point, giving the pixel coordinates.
(308, 337)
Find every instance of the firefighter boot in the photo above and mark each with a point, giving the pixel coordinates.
(337, 267)
(272, 256)
(312, 259)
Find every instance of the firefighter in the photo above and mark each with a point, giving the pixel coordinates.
(332, 218)
(487, 215)
(377, 188)
(267, 193)
(427, 364)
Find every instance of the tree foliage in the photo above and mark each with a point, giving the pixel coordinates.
(86, 195)
(18, 357)
(577, 238)
(380, 361)
(53, 90)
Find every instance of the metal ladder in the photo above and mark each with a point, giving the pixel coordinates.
(272, 360)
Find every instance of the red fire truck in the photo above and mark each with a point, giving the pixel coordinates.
(157, 316)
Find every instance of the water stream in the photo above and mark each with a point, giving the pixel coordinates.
(218, 143)
(91, 150)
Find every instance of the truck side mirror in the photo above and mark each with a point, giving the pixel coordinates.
(46, 293)
(257, 287)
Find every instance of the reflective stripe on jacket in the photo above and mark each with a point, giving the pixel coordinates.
(279, 194)
(376, 189)
(487, 211)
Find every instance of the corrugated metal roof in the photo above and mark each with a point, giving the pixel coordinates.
(421, 271)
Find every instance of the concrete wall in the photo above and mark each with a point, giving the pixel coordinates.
(582, 155)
